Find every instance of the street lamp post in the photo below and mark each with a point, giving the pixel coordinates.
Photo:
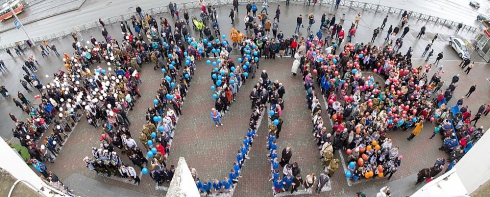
(15, 15)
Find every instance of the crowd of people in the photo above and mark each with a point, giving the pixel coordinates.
(361, 108)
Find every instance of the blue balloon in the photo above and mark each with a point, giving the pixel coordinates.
(161, 128)
(215, 96)
(169, 56)
(232, 68)
(213, 88)
(220, 77)
(164, 44)
(232, 81)
(34, 76)
(155, 101)
(208, 62)
(215, 69)
(256, 59)
(219, 61)
(187, 62)
(348, 174)
(222, 72)
(276, 122)
(213, 50)
(361, 55)
(354, 71)
(155, 118)
(320, 59)
(414, 119)
(172, 63)
(271, 112)
(248, 51)
(314, 54)
(225, 43)
(171, 66)
(335, 45)
(168, 78)
(185, 53)
(205, 40)
(215, 64)
(247, 47)
(97, 70)
(186, 76)
(163, 70)
(254, 46)
(153, 135)
(223, 36)
(172, 84)
(256, 53)
(217, 40)
(209, 44)
(150, 143)
(218, 82)
(231, 74)
(334, 61)
(245, 74)
(240, 60)
(171, 97)
(249, 57)
(154, 150)
(213, 76)
(218, 50)
(352, 165)
(149, 154)
(144, 171)
(390, 121)
(245, 67)
(247, 63)
(103, 72)
(437, 115)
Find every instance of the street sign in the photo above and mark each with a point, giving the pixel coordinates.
(17, 24)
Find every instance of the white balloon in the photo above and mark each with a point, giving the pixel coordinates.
(77, 82)
(47, 76)
(101, 98)
(111, 113)
(109, 68)
(28, 137)
(108, 63)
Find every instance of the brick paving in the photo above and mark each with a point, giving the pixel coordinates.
(212, 150)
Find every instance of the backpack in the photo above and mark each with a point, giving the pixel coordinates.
(254, 8)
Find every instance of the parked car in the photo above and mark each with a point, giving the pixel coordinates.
(481, 17)
(459, 46)
(475, 4)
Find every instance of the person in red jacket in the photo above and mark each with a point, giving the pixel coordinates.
(294, 46)
(160, 148)
(341, 36)
(352, 32)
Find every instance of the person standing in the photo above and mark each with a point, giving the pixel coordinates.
(431, 53)
(472, 89)
(133, 175)
(299, 23)
(427, 48)
(405, 30)
(418, 128)
(389, 33)
(265, 5)
(393, 168)
(171, 8)
(278, 12)
(422, 32)
(232, 15)
(476, 118)
(384, 22)
(439, 57)
(235, 6)
(357, 20)
(286, 156)
(322, 181)
(375, 34)
(216, 117)
(352, 32)
(435, 37)
(24, 84)
(15, 119)
(297, 182)
(40, 167)
(487, 110)
(470, 66)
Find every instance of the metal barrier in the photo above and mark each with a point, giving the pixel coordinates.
(195, 5)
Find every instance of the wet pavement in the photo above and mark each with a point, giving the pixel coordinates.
(211, 150)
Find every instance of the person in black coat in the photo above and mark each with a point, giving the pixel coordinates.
(286, 156)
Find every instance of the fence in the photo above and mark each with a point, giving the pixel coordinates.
(195, 5)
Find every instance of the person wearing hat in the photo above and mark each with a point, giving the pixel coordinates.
(40, 167)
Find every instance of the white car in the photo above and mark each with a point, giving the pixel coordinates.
(475, 4)
(459, 46)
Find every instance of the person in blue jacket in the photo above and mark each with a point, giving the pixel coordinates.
(217, 186)
(278, 186)
(232, 177)
(207, 187)
(239, 158)
(40, 167)
(226, 185)
(287, 181)
(199, 186)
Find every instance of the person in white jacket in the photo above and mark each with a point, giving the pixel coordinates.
(133, 175)
(294, 68)
(384, 192)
